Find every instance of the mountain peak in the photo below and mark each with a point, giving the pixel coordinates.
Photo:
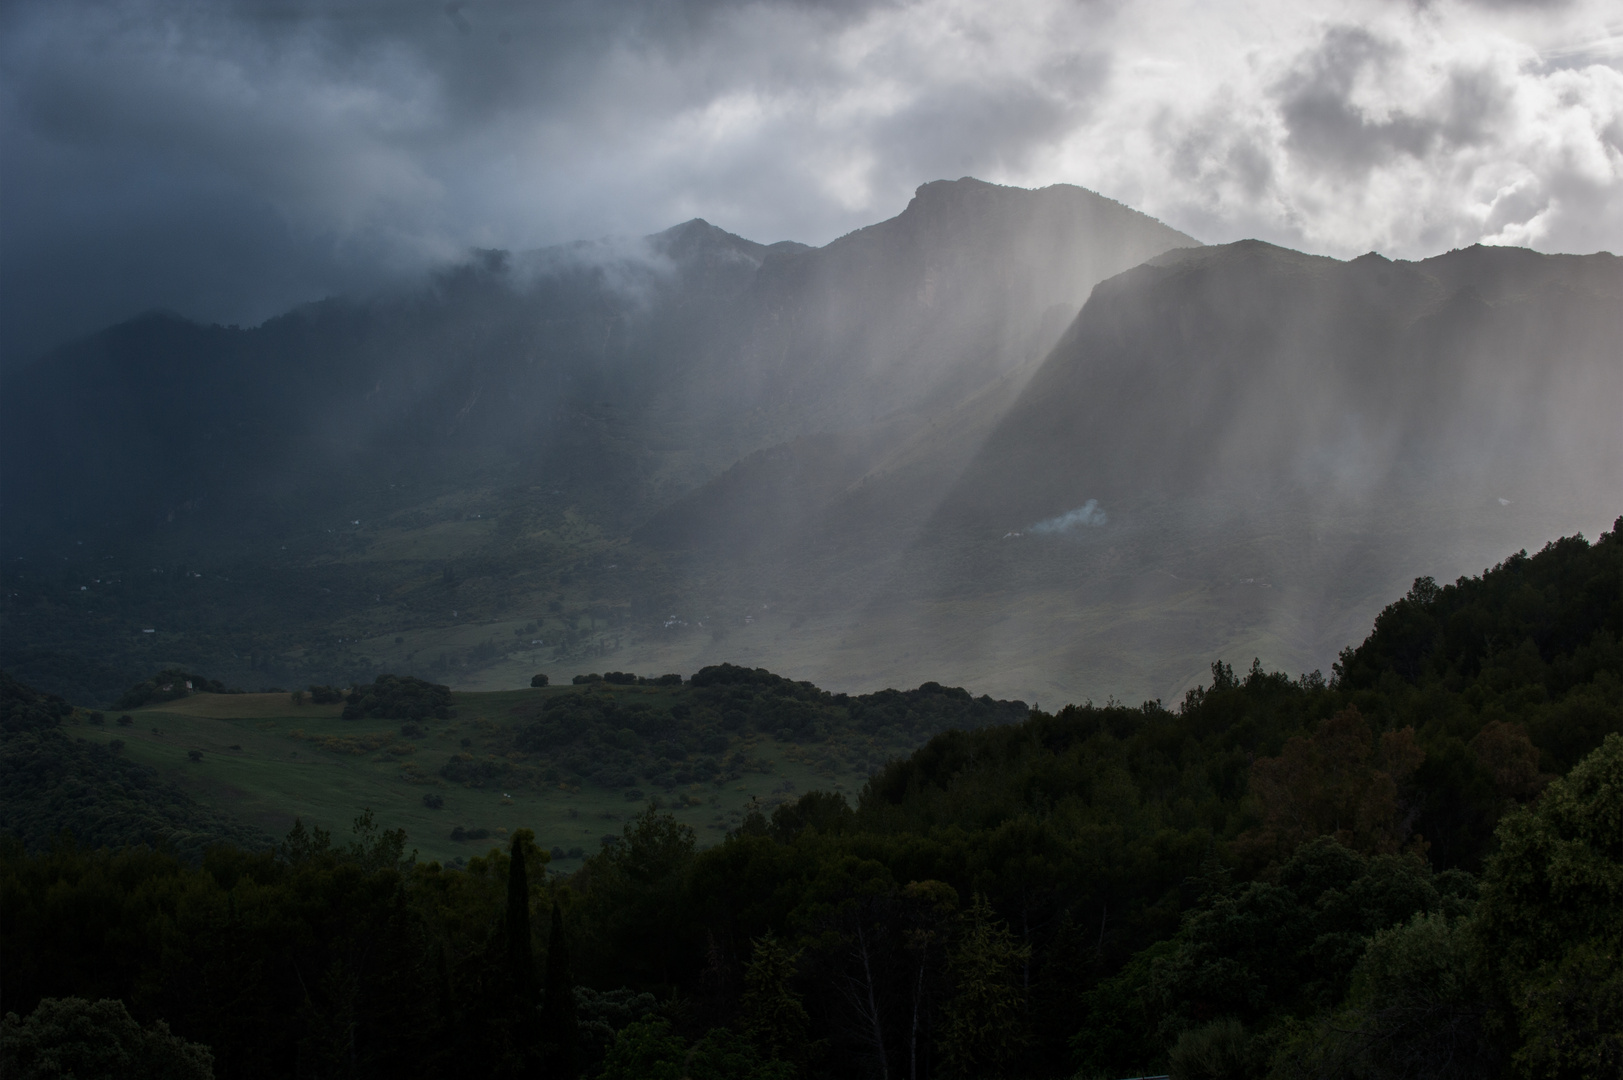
(968, 194)
(698, 239)
(693, 227)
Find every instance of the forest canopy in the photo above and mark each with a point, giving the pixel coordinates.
(1413, 867)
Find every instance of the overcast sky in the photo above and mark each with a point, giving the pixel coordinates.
(230, 159)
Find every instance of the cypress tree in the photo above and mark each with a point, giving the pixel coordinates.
(519, 1058)
(520, 965)
(560, 1029)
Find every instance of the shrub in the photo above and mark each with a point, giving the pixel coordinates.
(1220, 1050)
(399, 697)
(77, 1037)
(169, 685)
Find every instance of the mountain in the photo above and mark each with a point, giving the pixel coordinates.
(1032, 441)
(1486, 372)
(892, 350)
(503, 362)
(1238, 449)
(502, 431)
(971, 282)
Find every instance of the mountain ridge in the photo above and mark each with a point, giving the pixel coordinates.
(691, 448)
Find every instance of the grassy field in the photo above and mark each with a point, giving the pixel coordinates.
(268, 761)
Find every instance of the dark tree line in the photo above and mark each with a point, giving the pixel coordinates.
(1409, 869)
(171, 684)
(398, 697)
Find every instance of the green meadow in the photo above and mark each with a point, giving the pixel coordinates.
(268, 761)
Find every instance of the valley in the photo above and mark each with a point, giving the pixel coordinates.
(710, 751)
(835, 463)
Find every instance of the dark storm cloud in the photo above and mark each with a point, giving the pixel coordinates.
(229, 159)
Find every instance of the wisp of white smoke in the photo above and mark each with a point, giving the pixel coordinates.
(1088, 513)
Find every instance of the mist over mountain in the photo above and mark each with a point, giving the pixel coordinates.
(863, 349)
(505, 360)
(971, 282)
(1031, 441)
(1483, 372)
(1236, 449)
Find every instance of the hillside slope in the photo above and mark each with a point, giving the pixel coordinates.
(569, 762)
(371, 482)
(1239, 450)
(902, 457)
(1254, 369)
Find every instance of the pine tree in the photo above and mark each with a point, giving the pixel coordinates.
(773, 1017)
(984, 1028)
